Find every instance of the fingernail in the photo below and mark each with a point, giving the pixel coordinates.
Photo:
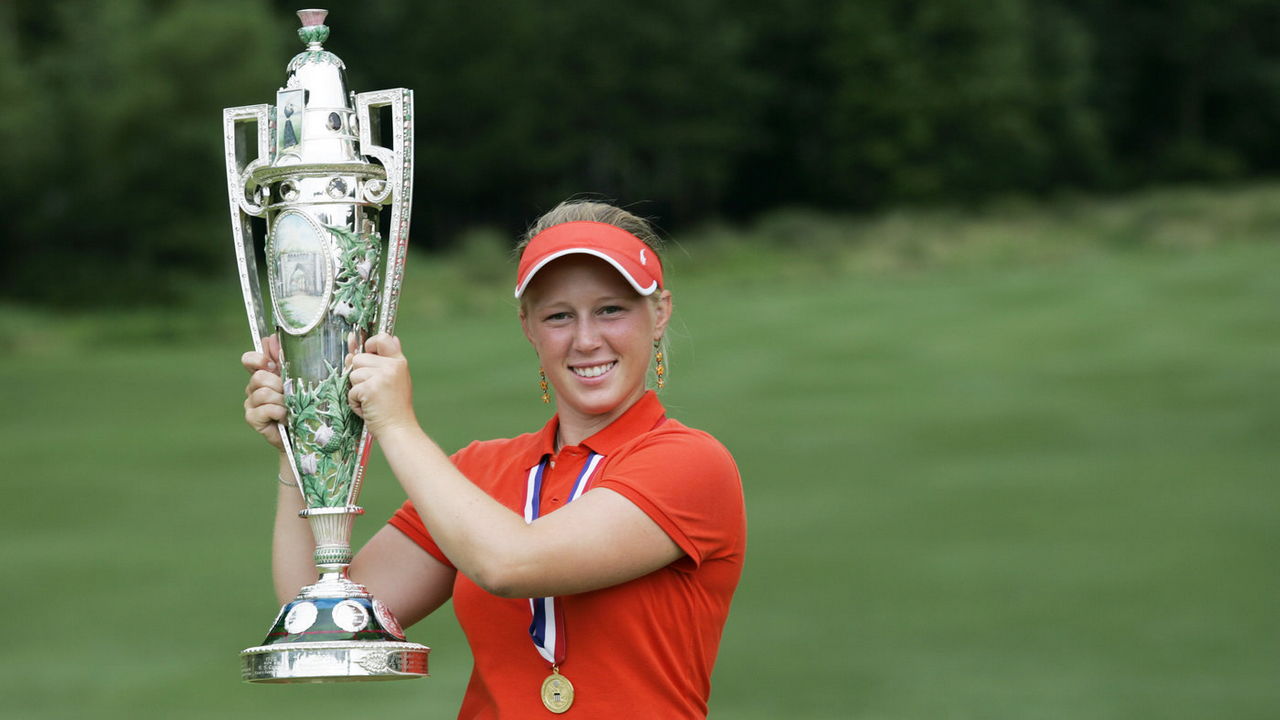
(271, 365)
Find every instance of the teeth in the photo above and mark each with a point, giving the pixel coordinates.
(595, 371)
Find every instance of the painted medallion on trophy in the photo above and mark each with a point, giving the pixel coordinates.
(301, 274)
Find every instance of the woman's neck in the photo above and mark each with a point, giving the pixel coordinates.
(573, 432)
(575, 428)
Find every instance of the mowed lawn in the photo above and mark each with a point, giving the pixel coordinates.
(1036, 491)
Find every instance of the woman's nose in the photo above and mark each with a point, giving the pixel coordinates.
(586, 335)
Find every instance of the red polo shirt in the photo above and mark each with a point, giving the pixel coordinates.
(645, 646)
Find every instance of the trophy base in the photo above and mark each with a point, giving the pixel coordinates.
(323, 662)
(334, 631)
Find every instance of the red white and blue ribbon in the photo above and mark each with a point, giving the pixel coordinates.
(547, 628)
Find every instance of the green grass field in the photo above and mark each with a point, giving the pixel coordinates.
(1009, 483)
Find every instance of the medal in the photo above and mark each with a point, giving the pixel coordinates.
(557, 691)
(547, 628)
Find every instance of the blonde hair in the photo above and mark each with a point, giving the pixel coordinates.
(594, 211)
(580, 210)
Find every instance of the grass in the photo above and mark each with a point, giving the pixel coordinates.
(1026, 477)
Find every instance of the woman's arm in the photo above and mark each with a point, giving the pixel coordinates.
(600, 540)
(397, 571)
(292, 545)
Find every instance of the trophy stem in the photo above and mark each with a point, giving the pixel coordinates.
(332, 530)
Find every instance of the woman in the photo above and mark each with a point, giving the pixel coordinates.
(626, 528)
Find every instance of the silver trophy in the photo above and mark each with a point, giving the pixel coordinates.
(312, 174)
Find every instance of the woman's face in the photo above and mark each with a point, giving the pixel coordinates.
(594, 335)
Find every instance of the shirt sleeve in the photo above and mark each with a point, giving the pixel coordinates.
(407, 521)
(687, 483)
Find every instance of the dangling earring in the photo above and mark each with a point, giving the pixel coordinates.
(545, 397)
(661, 370)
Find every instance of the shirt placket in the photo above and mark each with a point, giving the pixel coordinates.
(558, 484)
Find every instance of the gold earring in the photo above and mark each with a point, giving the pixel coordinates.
(545, 397)
(661, 370)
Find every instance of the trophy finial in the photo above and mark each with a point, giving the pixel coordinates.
(313, 31)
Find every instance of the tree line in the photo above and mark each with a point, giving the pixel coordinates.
(694, 109)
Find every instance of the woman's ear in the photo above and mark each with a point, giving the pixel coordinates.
(662, 312)
(524, 325)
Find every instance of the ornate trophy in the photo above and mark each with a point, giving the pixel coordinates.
(315, 173)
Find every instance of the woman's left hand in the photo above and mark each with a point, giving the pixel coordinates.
(381, 391)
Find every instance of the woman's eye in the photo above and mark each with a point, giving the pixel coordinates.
(610, 310)
(557, 316)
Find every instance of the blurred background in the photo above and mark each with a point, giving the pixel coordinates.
(983, 296)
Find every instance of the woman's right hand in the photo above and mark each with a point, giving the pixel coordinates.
(264, 396)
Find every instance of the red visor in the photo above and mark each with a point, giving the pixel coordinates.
(624, 251)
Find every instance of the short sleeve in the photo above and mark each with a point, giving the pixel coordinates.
(686, 482)
(407, 521)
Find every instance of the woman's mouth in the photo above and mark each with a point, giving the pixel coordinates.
(593, 371)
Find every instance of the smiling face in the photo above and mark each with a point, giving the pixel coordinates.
(594, 335)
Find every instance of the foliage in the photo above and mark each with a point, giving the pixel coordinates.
(326, 434)
(120, 189)
(957, 99)
(702, 109)
(355, 295)
(1188, 90)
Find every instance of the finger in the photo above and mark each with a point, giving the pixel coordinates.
(265, 403)
(384, 345)
(260, 416)
(353, 399)
(367, 360)
(359, 373)
(264, 396)
(373, 343)
(271, 346)
(265, 379)
(253, 361)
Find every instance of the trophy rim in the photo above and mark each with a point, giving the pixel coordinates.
(267, 174)
(336, 661)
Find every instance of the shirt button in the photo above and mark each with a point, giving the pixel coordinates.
(555, 501)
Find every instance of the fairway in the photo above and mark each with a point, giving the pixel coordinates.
(1038, 490)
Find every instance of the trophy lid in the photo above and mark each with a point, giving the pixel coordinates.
(316, 101)
(314, 33)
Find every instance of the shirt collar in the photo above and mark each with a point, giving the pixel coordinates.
(640, 418)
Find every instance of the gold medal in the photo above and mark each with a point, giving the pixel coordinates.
(557, 692)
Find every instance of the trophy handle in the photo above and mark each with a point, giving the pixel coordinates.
(242, 128)
(236, 136)
(397, 160)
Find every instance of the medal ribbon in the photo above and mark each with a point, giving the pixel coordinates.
(547, 629)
